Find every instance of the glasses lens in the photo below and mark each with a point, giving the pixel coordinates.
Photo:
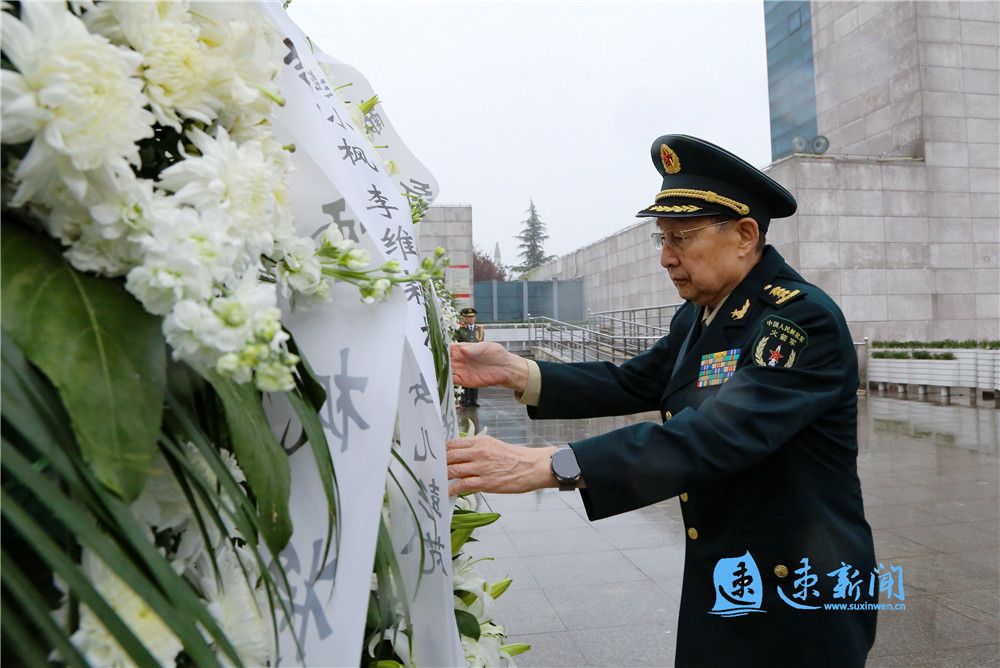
(657, 239)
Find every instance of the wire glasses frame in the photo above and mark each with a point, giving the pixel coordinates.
(675, 239)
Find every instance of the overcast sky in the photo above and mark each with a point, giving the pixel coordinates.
(554, 101)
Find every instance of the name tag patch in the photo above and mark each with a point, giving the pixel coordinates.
(717, 368)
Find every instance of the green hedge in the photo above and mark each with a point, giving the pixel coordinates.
(985, 344)
(911, 354)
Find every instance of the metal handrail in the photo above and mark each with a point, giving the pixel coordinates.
(630, 323)
(649, 316)
(639, 308)
(582, 344)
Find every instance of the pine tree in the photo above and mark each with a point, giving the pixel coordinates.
(532, 238)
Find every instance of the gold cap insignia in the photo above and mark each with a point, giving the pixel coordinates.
(671, 163)
(741, 311)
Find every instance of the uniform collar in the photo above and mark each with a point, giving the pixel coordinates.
(743, 299)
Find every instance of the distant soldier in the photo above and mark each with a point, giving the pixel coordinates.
(470, 332)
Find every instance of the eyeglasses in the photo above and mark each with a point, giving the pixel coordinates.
(676, 239)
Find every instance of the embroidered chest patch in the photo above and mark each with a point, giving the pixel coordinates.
(717, 368)
(779, 343)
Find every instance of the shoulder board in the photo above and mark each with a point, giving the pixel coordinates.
(778, 295)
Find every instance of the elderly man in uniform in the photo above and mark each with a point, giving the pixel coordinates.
(469, 332)
(756, 384)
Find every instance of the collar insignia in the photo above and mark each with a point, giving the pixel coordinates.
(671, 163)
(741, 311)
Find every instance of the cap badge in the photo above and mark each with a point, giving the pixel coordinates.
(671, 163)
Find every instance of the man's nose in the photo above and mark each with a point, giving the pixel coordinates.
(668, 258)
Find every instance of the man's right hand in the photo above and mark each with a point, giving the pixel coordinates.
(487, 364)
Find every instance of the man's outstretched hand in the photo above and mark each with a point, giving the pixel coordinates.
(485, 464)
(487, 364)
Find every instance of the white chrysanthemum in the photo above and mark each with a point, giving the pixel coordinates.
(242, 612)
(97, 644)
(161, 504)
(95, 252)
(67, 86)
(241, 179)
(251, 48)
(188, 254)
(183, 75)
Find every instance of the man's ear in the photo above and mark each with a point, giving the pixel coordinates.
(749, 234)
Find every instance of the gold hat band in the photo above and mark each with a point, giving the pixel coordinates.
(679, 208)
(706, 195)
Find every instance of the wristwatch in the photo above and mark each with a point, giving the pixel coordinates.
(566, 469)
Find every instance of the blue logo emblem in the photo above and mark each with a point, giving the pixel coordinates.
(738, 587)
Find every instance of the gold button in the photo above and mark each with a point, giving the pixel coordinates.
(781, 570)
(684, 496)
(667, 416)
(692, 533)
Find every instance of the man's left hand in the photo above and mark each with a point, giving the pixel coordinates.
(485, 464)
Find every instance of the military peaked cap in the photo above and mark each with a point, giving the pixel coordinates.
(702, 179)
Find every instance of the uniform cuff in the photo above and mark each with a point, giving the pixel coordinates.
(533, 389)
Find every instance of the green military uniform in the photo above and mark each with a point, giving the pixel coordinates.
(759, 440)
(467, 334)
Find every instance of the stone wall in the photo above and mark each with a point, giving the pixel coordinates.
(450, 227)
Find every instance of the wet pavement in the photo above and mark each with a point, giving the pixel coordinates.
(606, 593)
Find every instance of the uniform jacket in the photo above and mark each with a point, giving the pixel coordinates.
(464, 335)
(763, 455)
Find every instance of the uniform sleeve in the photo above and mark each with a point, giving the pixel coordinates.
(598, 389)
(759, 410)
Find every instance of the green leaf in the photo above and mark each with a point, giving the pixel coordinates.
(387, 663)
(473, 520)
(467, 597)
(71, 574)
(439, 347)
(468, 625)
(31, 602)
(307, 381)
(175, 604)
(516, 648)
(459, 537)
(260, 456)
(499, 588)
(97, 345)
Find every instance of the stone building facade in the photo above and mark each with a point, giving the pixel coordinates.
(450, 227)
(900, 220)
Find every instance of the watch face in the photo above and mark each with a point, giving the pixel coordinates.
(564, 465)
